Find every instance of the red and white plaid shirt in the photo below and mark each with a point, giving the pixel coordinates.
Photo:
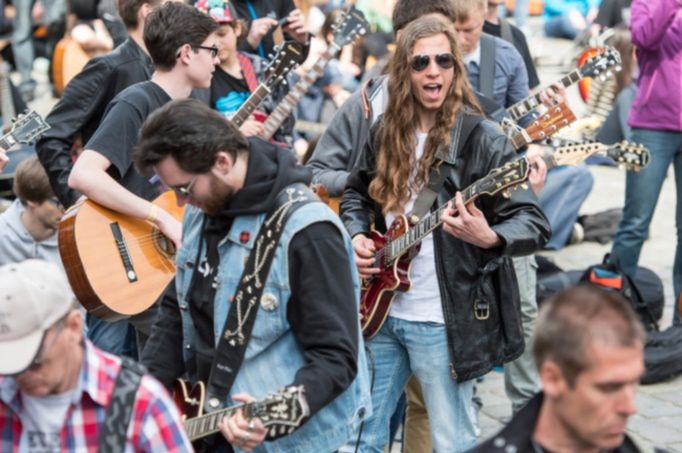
(155, 425)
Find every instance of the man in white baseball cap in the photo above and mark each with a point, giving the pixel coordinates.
(58, 387)
(34, 297)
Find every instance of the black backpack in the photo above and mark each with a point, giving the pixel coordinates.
(610, 276)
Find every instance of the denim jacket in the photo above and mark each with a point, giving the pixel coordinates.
(273, 356)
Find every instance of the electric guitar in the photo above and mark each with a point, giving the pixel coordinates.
(601, 65)
(350, 26)
(281, 412)
(396, 249)
(287, 56)
(117, 265)
(25, 128)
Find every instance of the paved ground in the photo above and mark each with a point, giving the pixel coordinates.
(659, 421)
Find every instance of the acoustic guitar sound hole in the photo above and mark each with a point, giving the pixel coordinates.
(164, 245)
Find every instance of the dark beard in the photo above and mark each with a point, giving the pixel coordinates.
(220, 195)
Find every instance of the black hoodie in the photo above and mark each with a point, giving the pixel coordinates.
(321, 313)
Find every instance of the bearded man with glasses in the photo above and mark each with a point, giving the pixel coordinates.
(460, 318)
(56, 386)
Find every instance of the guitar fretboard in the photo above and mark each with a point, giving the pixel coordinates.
(287, 105)
(529, 104)
(251, 104)
(207, 424)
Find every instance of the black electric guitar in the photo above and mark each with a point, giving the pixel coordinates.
(601, 65)
(351, 25)
(396, 249)
(26, 128)
(286, 57)
(281, 412)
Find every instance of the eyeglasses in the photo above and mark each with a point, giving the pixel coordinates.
(212, 49)
(420, 62)
(42, 352)
(184, 190)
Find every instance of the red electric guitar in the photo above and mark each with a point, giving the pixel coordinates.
(396, 249)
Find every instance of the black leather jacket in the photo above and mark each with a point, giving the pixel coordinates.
(468, 274)
(82, 107)
(518, 434)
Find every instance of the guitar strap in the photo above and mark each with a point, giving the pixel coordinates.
(231, 346)
(120, 410)
(459, 135)
(248, 71)
(486, 81)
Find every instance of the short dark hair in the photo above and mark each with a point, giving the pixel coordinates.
(128, 10)
(190, 132)
(172, 25)
(31, 182)
(578, 317)
(405, 11)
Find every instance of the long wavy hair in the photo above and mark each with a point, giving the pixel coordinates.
(396, 139)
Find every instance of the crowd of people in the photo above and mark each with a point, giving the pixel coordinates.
(306, 329)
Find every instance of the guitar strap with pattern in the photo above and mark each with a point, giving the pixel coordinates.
(231, 346)
(120, 410)
(248, 71)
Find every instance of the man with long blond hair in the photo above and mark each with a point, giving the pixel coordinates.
(436, 330)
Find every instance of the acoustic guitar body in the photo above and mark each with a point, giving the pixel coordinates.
(377, 293)
(68, 60)
(117, 265)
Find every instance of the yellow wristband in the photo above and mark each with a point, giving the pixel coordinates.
(152, 213)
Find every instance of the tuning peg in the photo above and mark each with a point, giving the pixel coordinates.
(506, 194)
(524, 186)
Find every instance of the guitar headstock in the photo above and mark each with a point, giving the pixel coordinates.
(280, 412)
(501, 179)
(286, 57)
(27, 127)
(575, 154)
(351, 24)
(556, 118)
(603, 64)
(629, 156)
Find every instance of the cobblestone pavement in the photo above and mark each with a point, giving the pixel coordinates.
(659, 419)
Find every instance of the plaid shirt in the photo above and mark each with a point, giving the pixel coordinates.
(155, 425)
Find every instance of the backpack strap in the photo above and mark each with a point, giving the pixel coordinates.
(506, 31)
(487, 66)
(120, 410)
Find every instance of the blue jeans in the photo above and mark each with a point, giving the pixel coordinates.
(117, 337)
(566, 188)
(560, 27)
(641, 195)
(400, 349)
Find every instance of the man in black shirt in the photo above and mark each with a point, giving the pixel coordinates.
(589, 349)
(182, 47)
(80, 109)
(500, 27)
(306, 330)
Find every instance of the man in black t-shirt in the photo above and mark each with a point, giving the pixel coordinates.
(494, 25)
(183, 49)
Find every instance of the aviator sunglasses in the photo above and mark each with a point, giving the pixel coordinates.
(421, 62)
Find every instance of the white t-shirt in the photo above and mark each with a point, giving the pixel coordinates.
(422, 302)
(42, 419)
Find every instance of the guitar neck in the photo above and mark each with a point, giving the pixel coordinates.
(252, 103)
(7, 141)
(207, 424)
(287, 105)
(529, 104)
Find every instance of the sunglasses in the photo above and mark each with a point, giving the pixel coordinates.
(184, 190)
(212, 49)
(420, 62)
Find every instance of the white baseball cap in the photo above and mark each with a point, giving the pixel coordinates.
(34, 294)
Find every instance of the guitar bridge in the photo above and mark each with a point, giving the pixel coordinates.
(123, 252)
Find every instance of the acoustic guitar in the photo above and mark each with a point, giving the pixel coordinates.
(117, 265)
(68, 60)
(396, 249)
